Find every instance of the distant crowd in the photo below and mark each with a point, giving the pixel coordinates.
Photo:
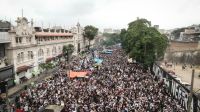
(116, 86)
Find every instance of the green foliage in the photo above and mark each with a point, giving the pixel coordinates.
(143, 42)
(46, 66)
(90, 32)
(112, 39)
(68, 49)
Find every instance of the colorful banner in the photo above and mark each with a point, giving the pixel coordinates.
(73, 74)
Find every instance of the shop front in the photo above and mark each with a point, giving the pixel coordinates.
(6, 78)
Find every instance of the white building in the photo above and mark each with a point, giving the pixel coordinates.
(31, 46)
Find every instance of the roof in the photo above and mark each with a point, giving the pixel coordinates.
(49, 59)
(5, 24)
(52, 34)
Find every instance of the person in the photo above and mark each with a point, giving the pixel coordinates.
(115, 86)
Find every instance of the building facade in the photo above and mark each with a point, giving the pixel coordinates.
(6, 68)
(30, 46)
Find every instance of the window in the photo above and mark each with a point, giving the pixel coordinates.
(20, 57)
(54, 51)
(48, 52)
(18, 39)
(30, 54)
(40, 53)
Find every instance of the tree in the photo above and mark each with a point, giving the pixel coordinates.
(143, 42)
(90, 32)
(68, 50)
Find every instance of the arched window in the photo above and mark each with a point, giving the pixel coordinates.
(48, 52)
(22, 56)
(30, 54)
(54, 51)
(40, 53)
(18, 57)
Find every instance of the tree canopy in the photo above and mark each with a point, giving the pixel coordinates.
(68, 50)
(90, 32)
(143, 42)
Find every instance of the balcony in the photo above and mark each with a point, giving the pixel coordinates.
(4, 37)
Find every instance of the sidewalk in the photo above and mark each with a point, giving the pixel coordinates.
(20, 87)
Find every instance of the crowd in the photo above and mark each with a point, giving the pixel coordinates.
(117, 86)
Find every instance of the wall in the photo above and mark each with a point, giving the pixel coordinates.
(177, 90)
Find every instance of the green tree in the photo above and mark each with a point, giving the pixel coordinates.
(90, 32)
(143, 42)
(68, 50)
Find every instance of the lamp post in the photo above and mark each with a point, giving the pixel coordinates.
(191, 92)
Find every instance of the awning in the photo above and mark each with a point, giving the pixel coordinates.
(49, 59)
(23, 68)
(60, 55)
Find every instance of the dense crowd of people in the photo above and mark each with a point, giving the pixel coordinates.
(116, 86)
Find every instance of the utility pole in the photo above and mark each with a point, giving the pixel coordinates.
(7, 103)
(191, 92)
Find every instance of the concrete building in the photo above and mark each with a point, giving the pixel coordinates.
(190, 34)
(6, 68)
(30, 46)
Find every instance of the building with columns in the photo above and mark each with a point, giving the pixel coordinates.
(30, 46)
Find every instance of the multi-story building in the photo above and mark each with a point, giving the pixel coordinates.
(190, 34)
(30, 46)
(6, 68)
